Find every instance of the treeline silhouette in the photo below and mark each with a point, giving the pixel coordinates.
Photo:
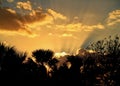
(101, 67)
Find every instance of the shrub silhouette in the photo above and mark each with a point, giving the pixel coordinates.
(107, 60)
(109, 46)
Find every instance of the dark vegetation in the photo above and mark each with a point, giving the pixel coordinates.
(99, 68)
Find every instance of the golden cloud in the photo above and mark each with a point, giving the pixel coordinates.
(78, 27)
(114, 14)
(24, 5)
(11, 21)
(92, 27)
(56, 15)
(11, 11)
(37, 19)
(113, 18)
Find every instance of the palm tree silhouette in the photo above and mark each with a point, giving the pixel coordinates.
(10, 61)
(43, 57)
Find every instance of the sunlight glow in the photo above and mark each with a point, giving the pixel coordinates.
(48, 68)
(61, 54)
(91, 51)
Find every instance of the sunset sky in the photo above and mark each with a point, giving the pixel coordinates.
(59, 25)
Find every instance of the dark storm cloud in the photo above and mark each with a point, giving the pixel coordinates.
(10, 20)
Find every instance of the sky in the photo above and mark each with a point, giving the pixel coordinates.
(59, 25)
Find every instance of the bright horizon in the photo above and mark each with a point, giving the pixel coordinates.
(59, 25)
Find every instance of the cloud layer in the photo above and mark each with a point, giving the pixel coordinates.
(30, 20)
(48, 25)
